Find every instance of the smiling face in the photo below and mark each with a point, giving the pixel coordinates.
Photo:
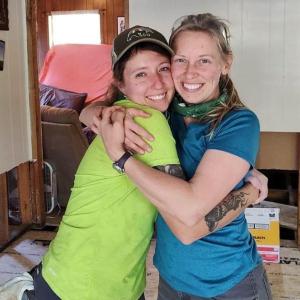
(197, 66)
(148, 80)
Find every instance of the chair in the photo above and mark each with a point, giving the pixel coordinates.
(67, 70)
(64, 145)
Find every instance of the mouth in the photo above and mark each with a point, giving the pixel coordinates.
(192, 87)
(158, 97)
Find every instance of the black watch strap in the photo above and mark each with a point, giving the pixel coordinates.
(119, 164)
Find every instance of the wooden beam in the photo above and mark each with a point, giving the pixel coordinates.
(126, 13)
(36, 167)
(4, 230)
(38, 204)
(24, 193)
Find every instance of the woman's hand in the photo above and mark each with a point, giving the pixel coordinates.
(113, 132)
(90, 112)
(259, 181)
(96, 115)
(135, 135)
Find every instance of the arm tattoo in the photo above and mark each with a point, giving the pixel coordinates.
(174, 170)
(232, 202)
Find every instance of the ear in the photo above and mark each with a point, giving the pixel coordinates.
(227, 64)
(120, 85)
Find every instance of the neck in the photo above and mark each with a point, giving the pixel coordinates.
(199, 110)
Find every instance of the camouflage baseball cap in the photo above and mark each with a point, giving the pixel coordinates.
(135, 35)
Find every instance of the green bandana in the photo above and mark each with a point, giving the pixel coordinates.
(196, 110)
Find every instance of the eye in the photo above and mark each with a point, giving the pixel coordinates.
(140, 75)
(165, 69)
(179, 60)
(204, 61)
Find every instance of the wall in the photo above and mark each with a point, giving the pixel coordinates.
(266, 47)
(15, 143)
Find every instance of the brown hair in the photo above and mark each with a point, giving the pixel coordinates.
(113, 93)
(219, 31)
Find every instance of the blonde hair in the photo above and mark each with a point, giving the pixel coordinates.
(219, 31)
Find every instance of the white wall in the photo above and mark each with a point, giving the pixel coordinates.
(15, 141)
(266, 48)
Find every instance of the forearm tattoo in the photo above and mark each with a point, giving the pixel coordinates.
(232, 202)
(174, 170)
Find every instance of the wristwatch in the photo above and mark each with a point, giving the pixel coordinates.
(119, 164)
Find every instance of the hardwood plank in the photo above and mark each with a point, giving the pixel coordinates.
(38, 204)
(24, 193)
(42, 31)
(36, 172)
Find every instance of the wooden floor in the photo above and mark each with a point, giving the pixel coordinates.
(27, 251)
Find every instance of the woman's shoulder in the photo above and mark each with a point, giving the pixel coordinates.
(242, 112)
(240, 121)
(238, 133)
(130, 104)
(240, 117)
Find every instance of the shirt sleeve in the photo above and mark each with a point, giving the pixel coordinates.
(238, 134)
(163, 146)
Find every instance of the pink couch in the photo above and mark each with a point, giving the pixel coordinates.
(78, 68)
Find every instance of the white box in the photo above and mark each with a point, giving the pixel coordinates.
(263, 223)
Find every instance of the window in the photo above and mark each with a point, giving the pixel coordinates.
(74, 27)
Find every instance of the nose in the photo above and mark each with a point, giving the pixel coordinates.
(191, 71)
(157, 81)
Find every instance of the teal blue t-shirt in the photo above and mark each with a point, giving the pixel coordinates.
(214, 264)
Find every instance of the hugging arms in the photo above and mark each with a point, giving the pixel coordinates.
(187, 226)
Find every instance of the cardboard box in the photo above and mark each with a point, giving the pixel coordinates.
(272, 147)
(263, 223)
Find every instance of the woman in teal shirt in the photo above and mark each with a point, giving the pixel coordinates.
(217, 143)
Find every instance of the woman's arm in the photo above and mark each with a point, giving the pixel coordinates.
(215, 177)
(90, 112)
(224, 213)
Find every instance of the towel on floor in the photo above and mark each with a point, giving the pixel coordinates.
(15, 287)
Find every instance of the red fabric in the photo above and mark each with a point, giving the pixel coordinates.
(78, 68)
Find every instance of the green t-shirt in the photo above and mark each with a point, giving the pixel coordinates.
(100, 249)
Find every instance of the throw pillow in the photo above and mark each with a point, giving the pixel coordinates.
(56, 97)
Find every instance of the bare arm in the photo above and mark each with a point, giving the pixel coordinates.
(226, 211)
(188, 201)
